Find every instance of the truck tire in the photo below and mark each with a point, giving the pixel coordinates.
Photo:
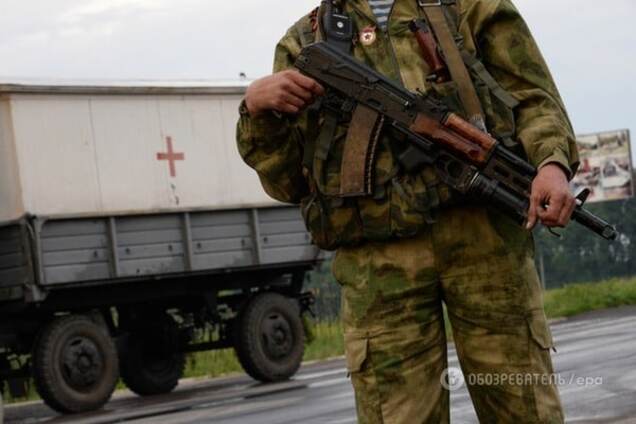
(270, 339)
(150, 365)
(75, 364)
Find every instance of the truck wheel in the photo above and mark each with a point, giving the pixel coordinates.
(270, 338)
(150, 364)
(75, 364)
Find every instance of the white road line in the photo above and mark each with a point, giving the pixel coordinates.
(310, 376)
(330, 382)
(348, 393)
(574, 326)
(342, 421)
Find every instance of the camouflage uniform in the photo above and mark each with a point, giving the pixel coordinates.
(413, 244)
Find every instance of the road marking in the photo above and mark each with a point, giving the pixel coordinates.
(321, 374)
(342, 421)
(347, 393)
(330, 382)
(571, 326)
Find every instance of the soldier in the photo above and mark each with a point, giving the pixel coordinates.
(413, 244)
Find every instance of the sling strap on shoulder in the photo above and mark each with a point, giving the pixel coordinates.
(480, 71)
(434, 10)
(509, 103)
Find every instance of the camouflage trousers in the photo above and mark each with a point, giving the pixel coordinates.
(480, 265)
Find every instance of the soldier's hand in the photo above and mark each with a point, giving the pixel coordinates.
(285, 91)
(551, 201)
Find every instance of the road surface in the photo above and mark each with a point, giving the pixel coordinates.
(596, 362)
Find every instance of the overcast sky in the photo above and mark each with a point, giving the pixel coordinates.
(589, 44)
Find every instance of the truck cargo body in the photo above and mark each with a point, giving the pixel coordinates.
(127, 211)
(38, 255)
(113, 150)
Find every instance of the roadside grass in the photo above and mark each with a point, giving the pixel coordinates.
(324, 340)
(575, 299)
(213, 363)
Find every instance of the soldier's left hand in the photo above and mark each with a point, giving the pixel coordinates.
(551, 200)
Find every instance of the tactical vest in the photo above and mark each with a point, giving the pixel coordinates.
(369, 191)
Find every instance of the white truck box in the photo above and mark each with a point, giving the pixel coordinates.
(70, 150)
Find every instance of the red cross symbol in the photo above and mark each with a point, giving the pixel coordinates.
(171, 156)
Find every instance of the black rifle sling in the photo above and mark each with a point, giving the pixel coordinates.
(506, 130)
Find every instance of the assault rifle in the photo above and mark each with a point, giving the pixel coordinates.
(468, 160)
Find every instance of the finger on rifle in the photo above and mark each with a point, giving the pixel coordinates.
(300, 91)
(566, 213)
(288, 108)
(307, 83)
(532, 211)
(286, 103)
(294, 100)
(550, 214)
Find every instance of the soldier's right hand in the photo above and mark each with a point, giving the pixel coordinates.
(285, 92)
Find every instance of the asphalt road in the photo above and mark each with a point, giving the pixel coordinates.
(596, 362)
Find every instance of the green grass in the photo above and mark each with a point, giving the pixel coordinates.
(327, 342)
(575, 299)
(324, 340)
(214, 363)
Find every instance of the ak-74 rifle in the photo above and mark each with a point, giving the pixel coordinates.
(467, 159)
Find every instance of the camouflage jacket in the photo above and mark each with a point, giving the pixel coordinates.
(402, 204)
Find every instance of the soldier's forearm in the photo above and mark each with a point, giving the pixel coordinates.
(268, 145)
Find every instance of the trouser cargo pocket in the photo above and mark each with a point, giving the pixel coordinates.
(539, 329)
(546, 403)
(363, 379)
(356, 351)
